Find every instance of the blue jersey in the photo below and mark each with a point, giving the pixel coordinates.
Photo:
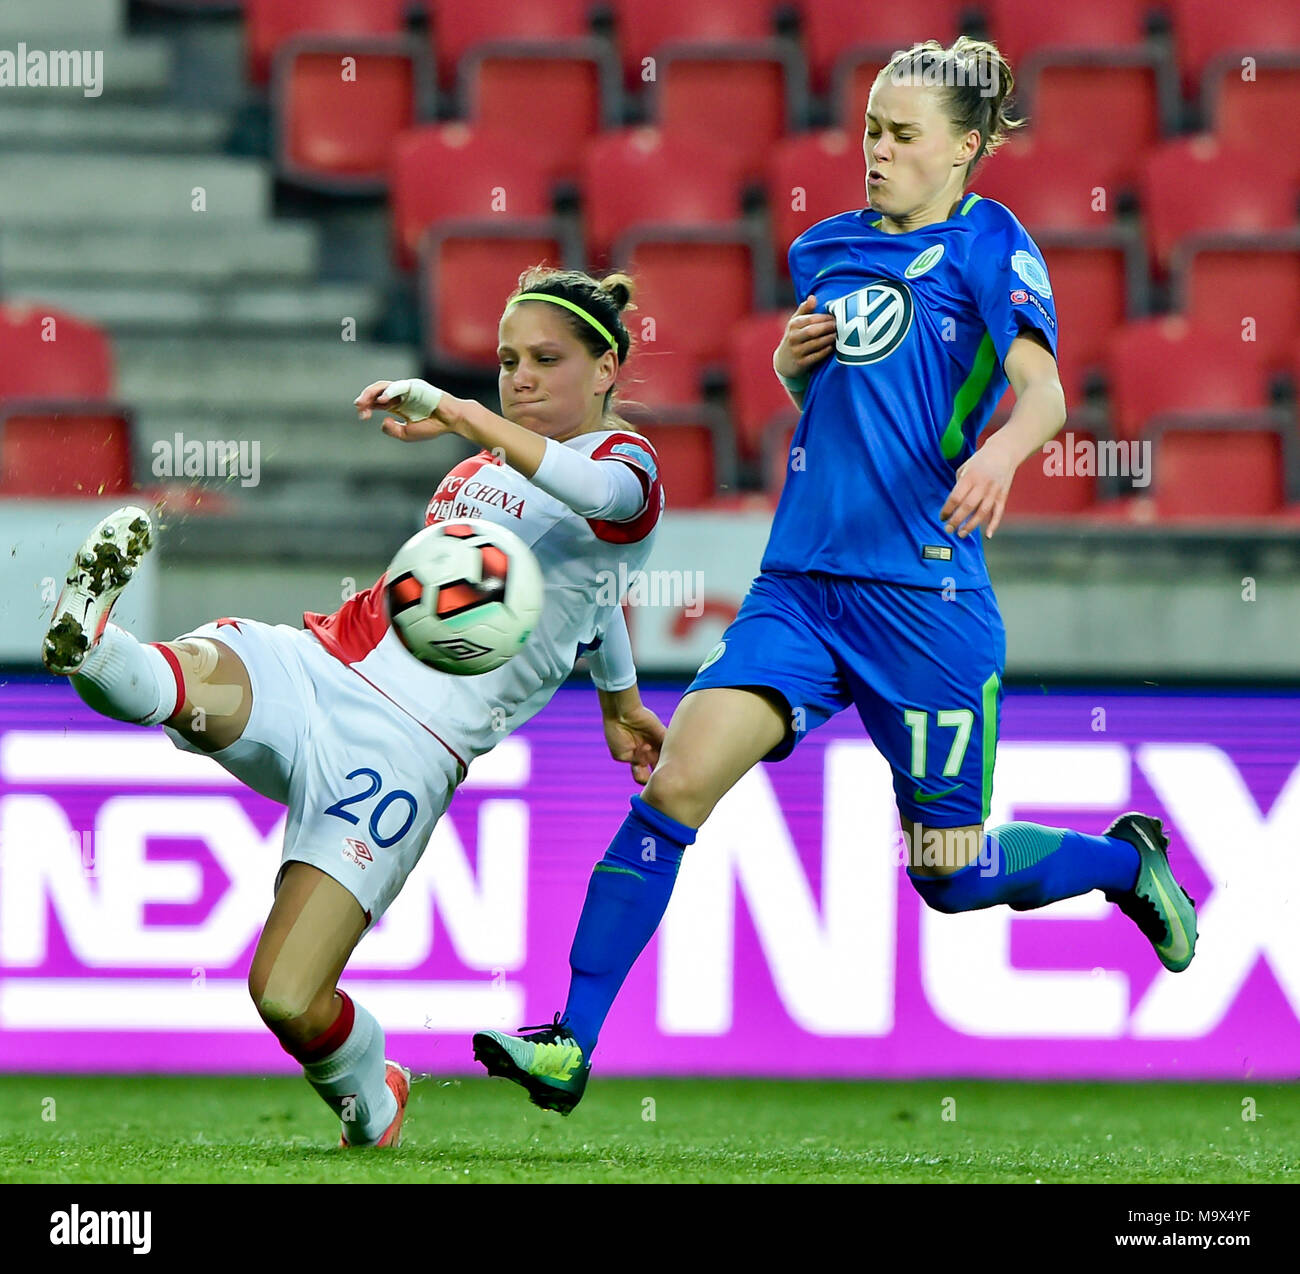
(924, 321)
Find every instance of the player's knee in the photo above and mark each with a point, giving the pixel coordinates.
(938, 894)
(209, 687)
(675, 790)
(279, 996)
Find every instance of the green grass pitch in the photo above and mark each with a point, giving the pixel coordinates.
(110, 1129)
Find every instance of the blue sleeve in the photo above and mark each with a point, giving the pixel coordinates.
(1012, 289)
(796, 257)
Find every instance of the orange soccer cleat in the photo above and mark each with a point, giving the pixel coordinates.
(398, 1078)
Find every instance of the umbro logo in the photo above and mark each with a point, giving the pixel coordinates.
(357, 851)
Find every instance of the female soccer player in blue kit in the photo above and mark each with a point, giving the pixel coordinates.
(873, 590)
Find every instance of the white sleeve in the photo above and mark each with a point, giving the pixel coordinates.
(611, 663)
(606, 489)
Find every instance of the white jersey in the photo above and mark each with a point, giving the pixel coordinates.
(580, 561)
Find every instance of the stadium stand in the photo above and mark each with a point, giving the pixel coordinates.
(494, 135)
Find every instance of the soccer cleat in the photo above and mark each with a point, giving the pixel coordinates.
(1157, 903)
(546, 1060)
(103, 566)
(398, 1078)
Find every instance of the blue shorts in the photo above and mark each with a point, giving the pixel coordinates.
(923, 669)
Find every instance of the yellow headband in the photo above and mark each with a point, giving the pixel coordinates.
(568, 305)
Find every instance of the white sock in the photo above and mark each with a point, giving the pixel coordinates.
(127, 680)
(351, 1080)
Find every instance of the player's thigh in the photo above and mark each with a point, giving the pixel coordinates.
(940, 851)
(305, 945)
(926, 675)
(218, 696)
(715, 737)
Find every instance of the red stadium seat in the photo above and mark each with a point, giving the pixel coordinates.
(1090, 288)
(1051, 188)
(457, 27)
(1239, 194)
(634, 176)
(1021, 27)
(554, 99)
(468, 269)
(337, 134)
(1049, 485)
(757, 397)
(742, 100)
(810, 177)
(694, 287)
(1203, 30)
(1158, 366)
(830, 27)
(1219, 473)
(457, 170)
(643, 29)
(1243, 290)
(270, 23)
(1245, 113)
(687, 460)
(1072, 102)
(47, 353)
(69, 450)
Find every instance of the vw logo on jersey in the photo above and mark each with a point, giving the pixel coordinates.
(871, 323)
(927, 260)
(1026, 265)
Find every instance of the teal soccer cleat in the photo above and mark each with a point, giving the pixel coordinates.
(1157, 903)
(545, 1060)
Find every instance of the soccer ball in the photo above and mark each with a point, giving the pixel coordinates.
(464, 596)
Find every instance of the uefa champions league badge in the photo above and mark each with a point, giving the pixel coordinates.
(1027, 267)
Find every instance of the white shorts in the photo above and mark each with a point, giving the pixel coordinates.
(364, 782)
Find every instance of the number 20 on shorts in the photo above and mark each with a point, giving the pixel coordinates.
(339, 808)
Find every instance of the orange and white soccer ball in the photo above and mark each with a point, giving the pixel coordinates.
(464, 596)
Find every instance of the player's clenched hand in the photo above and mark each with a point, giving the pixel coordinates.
(980, 493)
(636, 737)
(414, 404)
(808, 338)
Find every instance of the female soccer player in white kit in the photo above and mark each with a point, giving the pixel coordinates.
(312, 717)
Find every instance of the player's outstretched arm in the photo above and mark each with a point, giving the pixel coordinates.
(606, 489)
(420, 410)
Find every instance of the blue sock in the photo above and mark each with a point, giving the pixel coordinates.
(1026, 866)
(626, 899)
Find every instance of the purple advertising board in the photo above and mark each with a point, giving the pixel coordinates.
(134, 880)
